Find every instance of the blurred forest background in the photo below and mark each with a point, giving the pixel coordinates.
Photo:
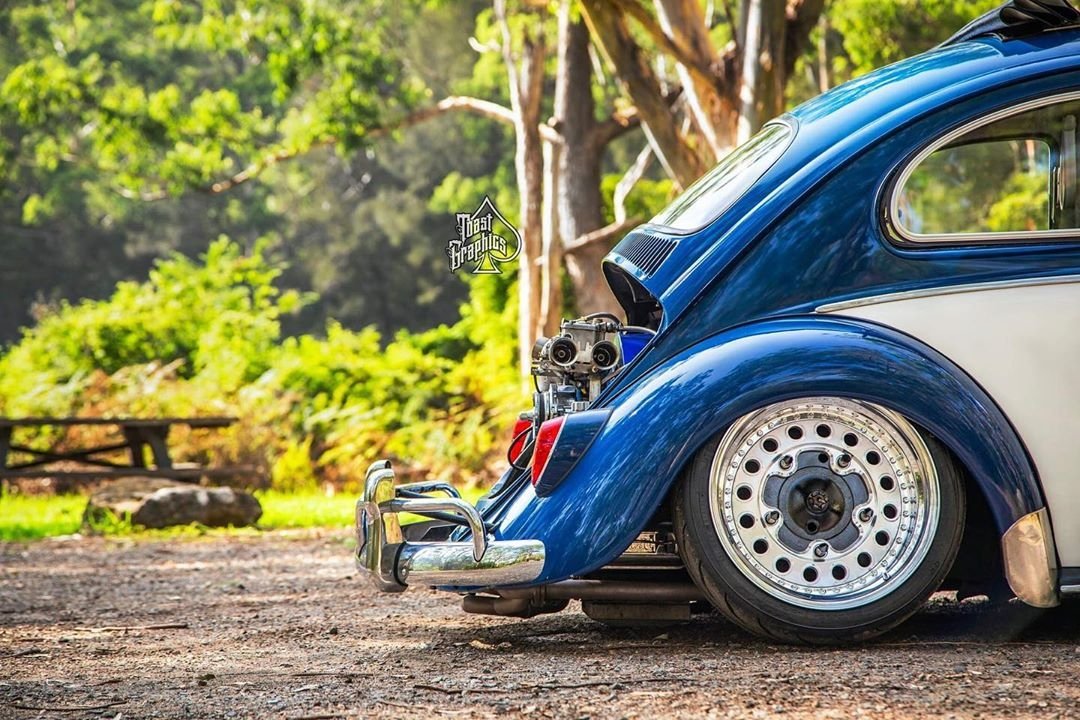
(241, 207)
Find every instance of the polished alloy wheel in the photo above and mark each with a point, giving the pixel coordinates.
(824, 503)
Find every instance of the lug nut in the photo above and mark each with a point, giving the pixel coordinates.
(772, 517)
(866, 514)
(844, 460)
(785, 462)
(821, 550)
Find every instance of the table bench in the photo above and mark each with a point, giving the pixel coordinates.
(137, 433)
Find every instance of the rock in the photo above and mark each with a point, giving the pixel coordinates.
(158, 503)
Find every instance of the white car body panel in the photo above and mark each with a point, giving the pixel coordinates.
(1021, 342)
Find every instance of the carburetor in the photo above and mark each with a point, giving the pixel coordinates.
(570, 368)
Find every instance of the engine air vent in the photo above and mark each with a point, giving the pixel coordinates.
(647, 252)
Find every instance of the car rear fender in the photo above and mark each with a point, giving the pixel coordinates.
(657, 424)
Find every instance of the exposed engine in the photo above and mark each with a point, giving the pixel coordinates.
(570, 368)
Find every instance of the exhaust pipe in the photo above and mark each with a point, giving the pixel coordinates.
(609, 590)
(527, 602)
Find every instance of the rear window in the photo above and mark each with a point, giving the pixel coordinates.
(715, 191)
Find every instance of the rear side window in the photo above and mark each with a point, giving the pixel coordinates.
(985, 187)
(1011, 176)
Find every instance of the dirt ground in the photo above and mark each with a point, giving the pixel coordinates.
(280, 626)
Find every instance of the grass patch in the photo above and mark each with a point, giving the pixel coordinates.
(305, 510)
(29, 517)
(32, 517)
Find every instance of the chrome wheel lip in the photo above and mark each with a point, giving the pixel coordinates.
(913, 497)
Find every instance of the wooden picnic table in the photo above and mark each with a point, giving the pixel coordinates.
(138, 434)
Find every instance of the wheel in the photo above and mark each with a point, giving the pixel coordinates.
(819, 520)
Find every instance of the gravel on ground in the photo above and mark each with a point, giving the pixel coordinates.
(281, 626)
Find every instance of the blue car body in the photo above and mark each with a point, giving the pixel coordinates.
(740, 297)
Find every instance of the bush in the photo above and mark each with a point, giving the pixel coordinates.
(204, 338)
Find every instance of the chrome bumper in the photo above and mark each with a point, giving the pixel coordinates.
(391, 563)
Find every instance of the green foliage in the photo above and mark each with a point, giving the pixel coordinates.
(1024, 206)
(878, 32)
(205, 338)
(137, 100)
(219, 319)
(646, 199)
(293, 471)
(105, 104)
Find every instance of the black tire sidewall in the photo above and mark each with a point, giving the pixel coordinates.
(750, 606)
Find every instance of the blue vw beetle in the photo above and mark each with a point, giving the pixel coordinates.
(848, 375)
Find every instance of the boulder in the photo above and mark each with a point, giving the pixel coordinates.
(157, 503)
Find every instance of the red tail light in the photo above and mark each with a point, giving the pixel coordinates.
(519, 439)
(545, 442)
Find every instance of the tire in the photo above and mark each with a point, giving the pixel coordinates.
(819, 520)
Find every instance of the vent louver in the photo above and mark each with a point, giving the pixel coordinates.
(647, 252)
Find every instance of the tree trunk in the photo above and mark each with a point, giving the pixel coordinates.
(758, 66)
(773, 35)
(824, 76)
(710, 103)
(529, 165)
(551, 296)
(591, 292)
(802, 16)
(638, 80)
(526, 91)
(578, 187)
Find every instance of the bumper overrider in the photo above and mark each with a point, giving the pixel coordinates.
(392, 563)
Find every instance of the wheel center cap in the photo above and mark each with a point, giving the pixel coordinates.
(817, 501)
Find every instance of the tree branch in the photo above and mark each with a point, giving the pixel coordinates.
(622, 189)
(476, 106)
(615, 126)
(453, 103)
(638, 80)
(649, 24)
(623, 121)
(672, 45)
(601, 235)
(629, 179)
(729, 17)
(267, 161)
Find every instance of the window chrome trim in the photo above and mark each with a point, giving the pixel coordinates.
(893, 215)
(939, 290)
